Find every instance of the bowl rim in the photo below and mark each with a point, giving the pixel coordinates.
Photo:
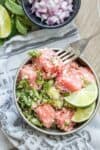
(83, 60)
(55, 26)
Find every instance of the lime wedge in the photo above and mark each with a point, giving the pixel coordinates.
(84, 97)
(83, 114)
(5, 23)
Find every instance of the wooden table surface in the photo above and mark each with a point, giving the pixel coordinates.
(88, 23)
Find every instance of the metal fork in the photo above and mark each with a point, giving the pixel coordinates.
(68, 55)
(74, 50)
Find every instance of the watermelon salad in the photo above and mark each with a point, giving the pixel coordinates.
(53, 95)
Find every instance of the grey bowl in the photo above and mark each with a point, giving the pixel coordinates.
(51, 131)
(36, 20)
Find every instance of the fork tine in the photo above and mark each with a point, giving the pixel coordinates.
(64, 54)
(60, 52)
(69, 51)
(67, 57)
(70, 59)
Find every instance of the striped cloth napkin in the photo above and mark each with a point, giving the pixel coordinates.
(12, 53)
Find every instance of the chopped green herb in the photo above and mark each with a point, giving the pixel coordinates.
(85, 81)
(26, 95)
(34, 54)
(34, 104)
(53, 93)
(58, 104)
(40, 79)
(23, 84)
(67, 105)
(36, 122)
(36, 94)
(47, 84)
(66, 94)
(67, 123)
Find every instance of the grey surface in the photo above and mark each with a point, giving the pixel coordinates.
(4, 142)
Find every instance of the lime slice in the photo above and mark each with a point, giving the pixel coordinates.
(84, 97)
(83, 114)
(5, 23)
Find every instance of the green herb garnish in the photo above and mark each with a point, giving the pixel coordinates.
(40, 79)
(67, 123)
(23, 84)
(36, 122)
(34, 54)
(26, 95)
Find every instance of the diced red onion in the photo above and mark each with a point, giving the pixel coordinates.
(53, 20)
(44, 17)
(38, 14)
(30, 1)
(70, 1)
(64, 5)
(70, 8)
(52, 11)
